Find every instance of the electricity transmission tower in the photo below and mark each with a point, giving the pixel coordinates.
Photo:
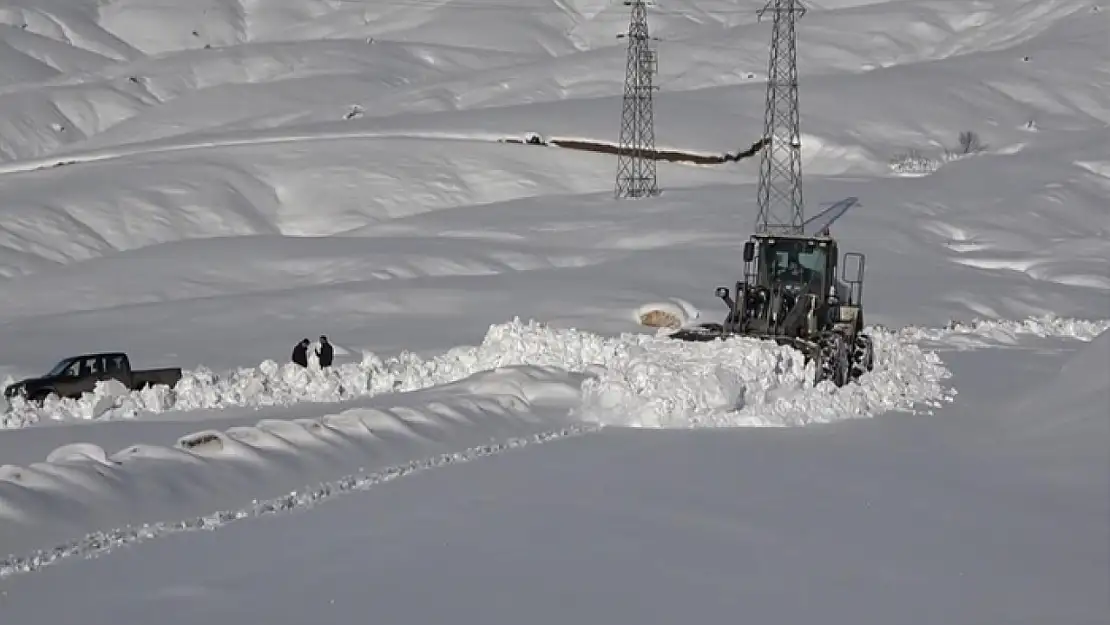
(636, 175)
(781, 208)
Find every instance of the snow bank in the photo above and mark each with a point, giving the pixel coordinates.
(101, 542)
(641, 380)
(81, 488)
(523, 379)
(97, 208)
(992, 332)
(661, 382)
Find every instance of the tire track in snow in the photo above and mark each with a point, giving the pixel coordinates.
(97, 544)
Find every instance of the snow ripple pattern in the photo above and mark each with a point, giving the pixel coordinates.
(636, 380)
(100, 543)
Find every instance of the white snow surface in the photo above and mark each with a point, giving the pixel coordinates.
(210, 468)
(203, 184)
(615, 509)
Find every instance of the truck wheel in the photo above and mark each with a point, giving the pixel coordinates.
(863, 356)
(833, 359)
(40, 396)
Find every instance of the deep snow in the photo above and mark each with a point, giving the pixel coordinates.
(639, 380)
(203, 185)
(892, 520)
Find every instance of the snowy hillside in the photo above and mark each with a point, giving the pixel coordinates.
(202, 184)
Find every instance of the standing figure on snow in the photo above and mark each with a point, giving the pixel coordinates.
(300, 353)
(325, 353)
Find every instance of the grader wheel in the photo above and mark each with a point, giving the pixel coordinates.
(833, 359)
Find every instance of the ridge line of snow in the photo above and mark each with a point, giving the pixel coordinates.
(737, 391)
(210, 469)
(1005, 330)
(531, 343)
(498, 398)
(100, 543)
(641, 380)
(636, 380)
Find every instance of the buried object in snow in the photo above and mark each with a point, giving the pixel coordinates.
(792, 295)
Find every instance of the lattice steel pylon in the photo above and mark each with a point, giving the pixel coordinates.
(636, 172)
(781, 207)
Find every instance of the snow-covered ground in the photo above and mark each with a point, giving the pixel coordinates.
(203, 185)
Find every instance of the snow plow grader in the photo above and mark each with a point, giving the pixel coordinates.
(791, 293)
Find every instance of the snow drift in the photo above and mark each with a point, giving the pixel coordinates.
(638, 380)
(994, 332)
(258, 138)
(523, 379)
(133, 131)
(83, 488)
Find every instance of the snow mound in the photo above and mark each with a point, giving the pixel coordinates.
(99, 543)
(662, 382)
(984, 332)
(82, 489)
(640, 380)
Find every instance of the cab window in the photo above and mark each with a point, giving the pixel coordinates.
(786, 258)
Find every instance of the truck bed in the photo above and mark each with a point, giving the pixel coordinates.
(142, 378)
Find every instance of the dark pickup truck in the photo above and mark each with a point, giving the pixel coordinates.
(75, 376)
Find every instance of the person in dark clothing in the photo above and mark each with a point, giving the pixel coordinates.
(300, 352)
(325, 353)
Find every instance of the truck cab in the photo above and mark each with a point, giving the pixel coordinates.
(797, 263)
(805, 266)
(796, 291)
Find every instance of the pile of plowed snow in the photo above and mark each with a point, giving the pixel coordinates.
(636, 380)
(250, 470)
(981, 332)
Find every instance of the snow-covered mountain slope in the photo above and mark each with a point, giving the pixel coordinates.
(203, 184)
(248, 138)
